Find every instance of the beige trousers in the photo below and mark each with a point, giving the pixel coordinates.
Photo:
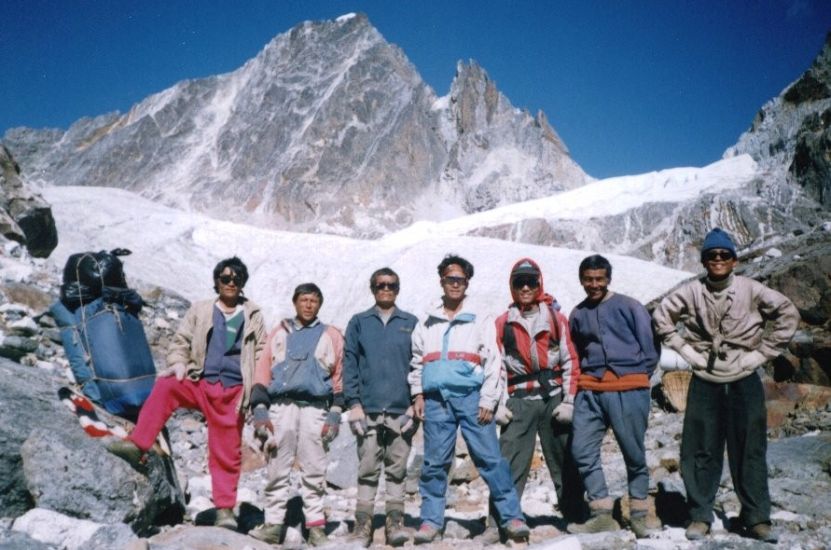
(382, 444)
(297, 431)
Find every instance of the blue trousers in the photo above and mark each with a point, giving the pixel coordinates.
(627, 413)
(441, 420)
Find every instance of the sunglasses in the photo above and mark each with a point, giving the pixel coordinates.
(386, 286)
(453, 281)
(528, 280)
(718, 255)
(227, 279)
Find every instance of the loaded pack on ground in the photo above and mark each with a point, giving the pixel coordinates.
(101, 333)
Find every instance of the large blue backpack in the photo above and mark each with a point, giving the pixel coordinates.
(108, 353)
(102, 335)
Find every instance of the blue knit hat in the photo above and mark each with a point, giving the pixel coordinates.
(717, 238)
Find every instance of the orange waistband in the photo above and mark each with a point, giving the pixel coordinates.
(612, 382)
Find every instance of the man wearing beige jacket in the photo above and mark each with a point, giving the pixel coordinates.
(210, 368)
(723, 317)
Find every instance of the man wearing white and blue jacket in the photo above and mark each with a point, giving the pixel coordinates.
(455, 383)
(377, 354)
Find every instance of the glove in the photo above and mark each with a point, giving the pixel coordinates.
(696, 360)
(503, 415)
(357, 421)
(178, 370)
(752, 360)
(563, 413)
(263, 428)
(331, 426)
(408, 423)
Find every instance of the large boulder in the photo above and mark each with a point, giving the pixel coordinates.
(50, 462)
(24, 216)
(71, 533)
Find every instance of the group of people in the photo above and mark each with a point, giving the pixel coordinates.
(532, 371)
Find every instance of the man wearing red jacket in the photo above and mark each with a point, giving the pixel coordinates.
(542, 367)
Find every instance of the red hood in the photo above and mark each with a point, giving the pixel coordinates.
(541, 295)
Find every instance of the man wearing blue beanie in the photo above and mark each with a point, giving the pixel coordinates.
(724, 342)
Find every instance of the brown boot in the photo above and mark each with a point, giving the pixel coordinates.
(394, 529)
(225, 518)
(763, 532)
(427, 534)
(601, 518)
(127, 450)
(268, 532)
(317, 536)
(638, 510)
(362, 533)
(697, 530)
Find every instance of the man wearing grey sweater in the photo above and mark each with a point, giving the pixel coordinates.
(723, 316)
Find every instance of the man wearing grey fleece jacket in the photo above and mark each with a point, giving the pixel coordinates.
(723, 316)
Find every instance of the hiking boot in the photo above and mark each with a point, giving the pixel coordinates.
(225, 518)
(697, 530)
(639, 526)
(127, 450)
(394, 529)
(268, 532)
(426, 533)
(598, 523)
(763, 532)
(362, 533)
(317, 536)
(516, 530)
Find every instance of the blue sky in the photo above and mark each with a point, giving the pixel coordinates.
(630, 86)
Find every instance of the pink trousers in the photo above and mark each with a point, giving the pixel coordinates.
(219, 405)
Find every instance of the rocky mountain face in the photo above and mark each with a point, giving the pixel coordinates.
(328, 129)
(25, 218)
(791, 134)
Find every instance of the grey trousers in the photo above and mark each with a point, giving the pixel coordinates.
(384, 445)
(627, 413)
(532, 417)
(733, 414)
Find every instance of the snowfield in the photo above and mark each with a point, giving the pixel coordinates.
(176, 249)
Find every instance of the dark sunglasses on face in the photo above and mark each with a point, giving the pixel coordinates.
(386, 286)
(226, 279)
(452, 280)
(529, 281)
(718, 255)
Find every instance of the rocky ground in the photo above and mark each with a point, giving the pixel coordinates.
(75, 515)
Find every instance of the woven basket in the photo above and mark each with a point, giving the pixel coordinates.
(676, 385)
